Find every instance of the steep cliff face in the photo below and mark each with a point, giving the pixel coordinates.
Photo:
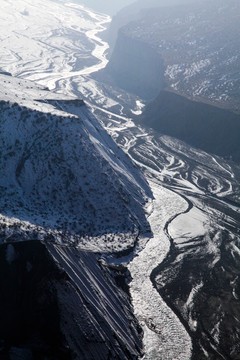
(135, 66)
(197, 43)
(207, 127)
(60, 303)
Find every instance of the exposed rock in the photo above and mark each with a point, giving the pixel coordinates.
(66, 306)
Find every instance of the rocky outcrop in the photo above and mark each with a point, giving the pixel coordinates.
(60, 303)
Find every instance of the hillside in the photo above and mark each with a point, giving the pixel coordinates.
(62, 176)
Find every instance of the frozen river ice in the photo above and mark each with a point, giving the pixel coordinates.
(164, 335)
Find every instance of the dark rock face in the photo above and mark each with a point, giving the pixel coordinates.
(59, 303)
(29, 313)
(135, 67)
(207, 127)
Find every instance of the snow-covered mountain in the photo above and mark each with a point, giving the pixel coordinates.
(61, 173)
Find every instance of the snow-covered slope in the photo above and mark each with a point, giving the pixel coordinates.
(62, 176)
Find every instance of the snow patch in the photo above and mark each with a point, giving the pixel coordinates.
(188, 226)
